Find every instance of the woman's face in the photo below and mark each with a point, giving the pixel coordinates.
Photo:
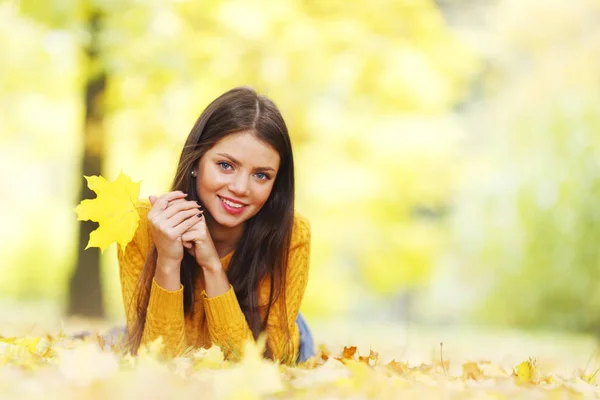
(235, 178)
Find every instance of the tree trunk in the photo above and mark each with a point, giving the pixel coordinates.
(85, 294)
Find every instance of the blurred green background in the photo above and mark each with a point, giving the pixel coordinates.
(447, 152)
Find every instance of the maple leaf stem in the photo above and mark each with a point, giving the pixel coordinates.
(591, 378)
(442, 357)
(590, 359)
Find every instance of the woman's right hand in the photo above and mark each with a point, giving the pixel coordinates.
(171, 215)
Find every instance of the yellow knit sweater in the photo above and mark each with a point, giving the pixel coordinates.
(218, 320)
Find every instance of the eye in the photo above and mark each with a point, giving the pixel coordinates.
(262, 176)
(224, 165)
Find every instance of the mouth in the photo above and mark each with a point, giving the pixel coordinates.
(232, 206)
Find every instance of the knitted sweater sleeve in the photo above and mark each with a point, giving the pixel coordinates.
(164, 317)
(227, 324)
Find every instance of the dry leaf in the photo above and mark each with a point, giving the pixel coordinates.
(324, 352)
(472, 371)
(55, 367)
(526, 372)
(398, 367)
(371, 359)
(349, 353)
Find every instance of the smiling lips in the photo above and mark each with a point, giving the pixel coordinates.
(232, 206)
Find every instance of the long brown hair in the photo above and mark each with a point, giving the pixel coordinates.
(262, 252)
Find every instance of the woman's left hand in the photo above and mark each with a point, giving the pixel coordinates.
(198, 242)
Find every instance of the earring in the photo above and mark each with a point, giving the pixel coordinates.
(193, 173)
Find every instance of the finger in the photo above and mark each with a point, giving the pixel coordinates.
(193, 236)
(189, 236)
(187, 245)
(176, 207)
(197, 231)
(163, 201)
(181, 216)
(187, 224)
(152, 199)
(173, 224)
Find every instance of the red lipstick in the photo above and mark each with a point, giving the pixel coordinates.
(231, 210)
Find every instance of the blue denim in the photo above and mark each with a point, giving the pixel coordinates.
(307, 344)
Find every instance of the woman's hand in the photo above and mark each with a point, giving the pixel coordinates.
(170, 217)
(199, 243)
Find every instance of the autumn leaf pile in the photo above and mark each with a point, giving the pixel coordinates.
(62, 367)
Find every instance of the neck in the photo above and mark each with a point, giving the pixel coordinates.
(224, 238)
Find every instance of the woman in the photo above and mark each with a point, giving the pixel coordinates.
(223, 256)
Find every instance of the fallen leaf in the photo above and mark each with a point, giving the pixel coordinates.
(525, 372)
(472, 371)
(212, 358)
(371, 359)
(324, 352)
(349, 353)
(398, 367)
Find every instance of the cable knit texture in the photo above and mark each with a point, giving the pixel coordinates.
(218, 320)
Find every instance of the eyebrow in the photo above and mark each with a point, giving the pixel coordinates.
(239, 163)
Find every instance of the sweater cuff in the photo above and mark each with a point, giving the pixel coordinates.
(221, 309)
(165, 304)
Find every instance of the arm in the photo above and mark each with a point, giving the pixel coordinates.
(165, 309)
(282, 319)
(227, 324)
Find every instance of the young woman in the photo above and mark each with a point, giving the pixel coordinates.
(224, 256)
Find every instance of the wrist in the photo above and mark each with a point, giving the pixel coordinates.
(167, 274)
(167, 265)
(213, 267)
(215, 282)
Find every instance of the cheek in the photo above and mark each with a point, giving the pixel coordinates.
(205, 189)
(261, 195)
(210, 181)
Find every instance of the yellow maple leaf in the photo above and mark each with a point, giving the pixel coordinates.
(212, 358)
(526, 372)
(113, 208)
(400, 368)
(472, 371)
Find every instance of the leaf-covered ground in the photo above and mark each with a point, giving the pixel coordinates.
(56, 366)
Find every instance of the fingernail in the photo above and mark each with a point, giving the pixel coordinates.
(200, 215)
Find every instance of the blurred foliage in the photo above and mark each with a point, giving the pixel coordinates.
(366, 90)
(530, 218)
(369, 91)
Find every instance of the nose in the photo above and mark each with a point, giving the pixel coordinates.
(239, 185)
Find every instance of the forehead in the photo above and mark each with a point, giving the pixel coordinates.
(248, 149)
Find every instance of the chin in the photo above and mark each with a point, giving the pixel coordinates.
(231, 224)
(228, 221)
